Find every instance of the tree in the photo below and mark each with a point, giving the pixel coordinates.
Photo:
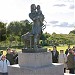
(13, 28)
(17, 28)
(72, 32)
(2, 31)
(26, 26)
(44, 38)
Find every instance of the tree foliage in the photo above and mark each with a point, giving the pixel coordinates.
(72, 32)
(2, 31)
(57, 39)
(16, 29)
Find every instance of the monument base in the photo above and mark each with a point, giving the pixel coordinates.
(35, 59)
(36, 64)
(31, 50)
(52, 69)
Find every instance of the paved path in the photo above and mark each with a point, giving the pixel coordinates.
(68, 74)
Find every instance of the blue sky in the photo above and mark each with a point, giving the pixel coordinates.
(59, 14)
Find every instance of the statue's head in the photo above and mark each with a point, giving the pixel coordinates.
(33, 7)
(38, 7)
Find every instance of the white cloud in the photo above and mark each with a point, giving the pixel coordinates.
(19, 9)
(58, 30)
(53, 22)
(60, 5)
(60, 27)
(72, 6)
(65, 24)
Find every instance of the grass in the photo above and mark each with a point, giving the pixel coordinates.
(59, 47)
(48, 47)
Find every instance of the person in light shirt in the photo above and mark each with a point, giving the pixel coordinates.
(3, 65)
(63, 59)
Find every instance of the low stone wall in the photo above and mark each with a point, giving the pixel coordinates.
(36, 64)
(53, 69)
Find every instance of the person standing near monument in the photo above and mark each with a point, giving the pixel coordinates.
(55, 55)
(74, 57)
(9, 56)
(3, 65)
(63, 59)
(15, 56)
(67, 50)
(1, 52)
(70, 61)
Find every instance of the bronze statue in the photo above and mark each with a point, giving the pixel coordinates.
(37, 18)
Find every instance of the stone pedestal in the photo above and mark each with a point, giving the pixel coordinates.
(28, 50)
(35, 59)
(36, 64)
(53, 69)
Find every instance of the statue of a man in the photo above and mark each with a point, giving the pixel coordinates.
(37, 18)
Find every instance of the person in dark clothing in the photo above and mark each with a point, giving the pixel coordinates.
(74, 57)
(67, 50)
(1, 52)
(15, 56)
(70, 61)
(9, 56)
(55, 55)
(16, 60)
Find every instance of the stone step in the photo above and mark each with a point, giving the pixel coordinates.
(68, 74)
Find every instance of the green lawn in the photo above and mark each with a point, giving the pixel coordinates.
(59, 47)
(49, 47)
